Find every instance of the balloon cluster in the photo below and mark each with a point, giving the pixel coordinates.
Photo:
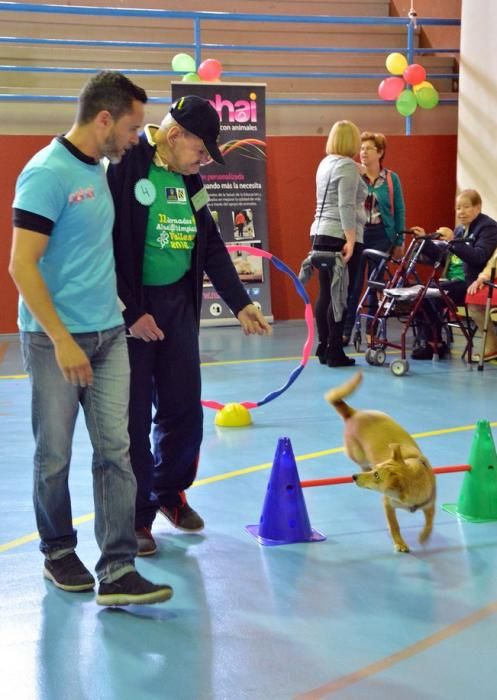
(209, 70)
(422, 94)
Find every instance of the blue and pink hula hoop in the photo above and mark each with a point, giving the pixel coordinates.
(309, 320)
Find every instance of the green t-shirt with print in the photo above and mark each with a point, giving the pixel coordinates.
(455, 269)
(171, 229)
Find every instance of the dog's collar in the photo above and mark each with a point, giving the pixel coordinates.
(413, 509)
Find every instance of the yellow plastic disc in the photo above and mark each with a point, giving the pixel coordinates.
(233, 415)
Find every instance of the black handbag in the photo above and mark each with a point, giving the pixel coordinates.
(324, 249)
(323, 258)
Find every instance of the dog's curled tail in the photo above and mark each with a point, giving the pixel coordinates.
(336, 396)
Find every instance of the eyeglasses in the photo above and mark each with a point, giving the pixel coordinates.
(368, 148)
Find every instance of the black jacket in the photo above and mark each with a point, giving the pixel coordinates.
(209, 255)
(474, 250)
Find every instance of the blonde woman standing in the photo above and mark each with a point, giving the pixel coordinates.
(338, 221)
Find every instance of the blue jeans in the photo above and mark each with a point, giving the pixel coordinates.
(55, 404)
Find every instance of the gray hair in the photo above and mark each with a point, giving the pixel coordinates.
(168, 122)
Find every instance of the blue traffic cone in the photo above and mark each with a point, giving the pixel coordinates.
(478, 496)
(284, 516)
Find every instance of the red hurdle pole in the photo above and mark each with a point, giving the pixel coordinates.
(334, 481)
(455, 468)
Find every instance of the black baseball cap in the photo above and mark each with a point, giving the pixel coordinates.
(199, 117)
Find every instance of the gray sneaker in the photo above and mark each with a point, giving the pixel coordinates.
(132, 589)
(69, 573)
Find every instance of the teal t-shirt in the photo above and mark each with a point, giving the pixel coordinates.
(78, 264)
(171, 229)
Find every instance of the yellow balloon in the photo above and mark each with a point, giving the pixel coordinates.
(396, 63)
(420, 86)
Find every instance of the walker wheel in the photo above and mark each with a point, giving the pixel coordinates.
(357, 341)
(399, 367)
(368, 356)
(379, 357)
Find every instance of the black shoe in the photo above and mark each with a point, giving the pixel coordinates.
(132, 589)
(340, 359)
(423, 352)
(183, 517)
(321, 352)
(69, 573)
(443, 350)
(146, 543)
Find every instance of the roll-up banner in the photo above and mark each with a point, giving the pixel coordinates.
(237, 190)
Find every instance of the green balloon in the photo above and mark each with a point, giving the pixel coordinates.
(427, 97)
(190, 78)
(406, 103)
(183, 63)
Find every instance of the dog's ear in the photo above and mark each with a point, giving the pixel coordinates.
(396, 452)
(395, 483)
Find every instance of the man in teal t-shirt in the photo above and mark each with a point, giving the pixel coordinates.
(73, 341)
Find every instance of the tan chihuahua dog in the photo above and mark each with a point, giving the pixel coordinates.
(391, 461)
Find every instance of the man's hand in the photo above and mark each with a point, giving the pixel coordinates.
(73, 362)
(252, 321)
(146, 329)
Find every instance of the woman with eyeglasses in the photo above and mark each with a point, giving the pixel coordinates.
(385, 219)
(467, 249)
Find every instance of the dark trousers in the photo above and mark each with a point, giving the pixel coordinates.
(375, 237)
(356, 278)
(165, 378)
(428, 323)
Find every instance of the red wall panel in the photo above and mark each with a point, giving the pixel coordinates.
(426, 165)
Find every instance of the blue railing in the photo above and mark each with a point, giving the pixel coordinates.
(197, 47)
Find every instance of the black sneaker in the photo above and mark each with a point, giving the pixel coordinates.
(146, 543)
(183, 517)
(69, 573)
(132, 589)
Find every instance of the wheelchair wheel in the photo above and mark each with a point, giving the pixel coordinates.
(399, 367)
(368, 356)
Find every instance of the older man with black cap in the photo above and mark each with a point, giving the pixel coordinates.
(164, 240)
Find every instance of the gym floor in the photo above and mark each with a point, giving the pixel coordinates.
(346, 617)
